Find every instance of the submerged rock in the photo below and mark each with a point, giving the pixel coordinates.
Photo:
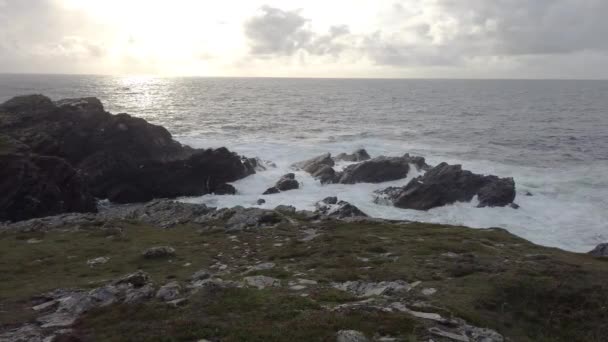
(447, 184)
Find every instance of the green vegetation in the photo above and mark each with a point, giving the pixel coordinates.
(488, 277)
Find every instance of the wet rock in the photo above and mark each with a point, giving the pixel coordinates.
(36, 186)
(447, 184)
(600, 250)
(368, 289)
(314, 164)
(169, 292)
(122, 158)
(339, 210)
(262, 282)
(377, 170)
(260, 201)
(350, 336)
(159, 252)
(325, 174)
(357, 156)
(286, 183)
(224, 189)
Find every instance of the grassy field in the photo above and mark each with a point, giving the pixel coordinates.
(488, 277)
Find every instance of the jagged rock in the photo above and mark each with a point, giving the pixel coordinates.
(201, 275)
(330, 207)
(224, 189)
(136, 279)
(365, 289)
(260, 165)
(314, 164)
(446, 184)
(159, 252)
(245, 218)
(357, 156)
(377, 170)
(122, 158)
(26, 333)
(262, 282)
(286, 183)
(167, 214)
(326, 174)
(350, 336)
(36, 186)
(169, 292)
(600, 250)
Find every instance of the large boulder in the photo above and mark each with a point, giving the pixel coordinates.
(314, 164)
(377, 170)
(332, 207)
(122, 158)
(36, 186)
(447, 184)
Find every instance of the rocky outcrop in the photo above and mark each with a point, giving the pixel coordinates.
(377, 170)
(36, 186)
(447, 184)
(314, 164)
(357, 156)
(331, 207)
(122, 158)
(286, 183)
(600, 250)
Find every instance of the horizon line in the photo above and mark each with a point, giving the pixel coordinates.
(307, 78)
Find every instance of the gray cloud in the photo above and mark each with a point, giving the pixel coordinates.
(277, 32)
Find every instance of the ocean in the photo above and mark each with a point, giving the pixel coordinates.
(551, 136)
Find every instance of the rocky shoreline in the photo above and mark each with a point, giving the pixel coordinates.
(138, 267)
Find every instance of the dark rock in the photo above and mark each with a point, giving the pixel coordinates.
(286, 183)
(330, 200)
(529, 194)
(136, 279)
(377, 170)
(159, 252)
(271, 191)
(326, 174)
(498, 192)
(417, 161)
(446, 184)
(122, 158)
(261, 201)
(37, 186)
(224, 189)
(330, 207)
(600, 251)
(314, 164)
(514, 206)
(239, 218)
(357, 156)
(166, 214)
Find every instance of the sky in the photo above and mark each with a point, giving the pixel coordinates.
(312, 38)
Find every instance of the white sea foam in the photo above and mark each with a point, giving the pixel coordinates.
(561, 213)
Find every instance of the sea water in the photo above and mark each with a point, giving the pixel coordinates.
(550, 136)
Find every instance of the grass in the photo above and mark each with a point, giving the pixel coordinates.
(488, 277)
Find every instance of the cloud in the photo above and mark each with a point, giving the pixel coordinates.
(278, 32)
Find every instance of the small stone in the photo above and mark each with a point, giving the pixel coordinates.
(97, 261)
(45, 306)
(261, 267)
(297, 287)
(201, 275)
(159, 252)
(429, 291)
(261, 201)
(351, 336)
(178, 302)
(33, 241)
(262, 282)
(136, 279)
(307, 282)
(452, 336)
(169, 292)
